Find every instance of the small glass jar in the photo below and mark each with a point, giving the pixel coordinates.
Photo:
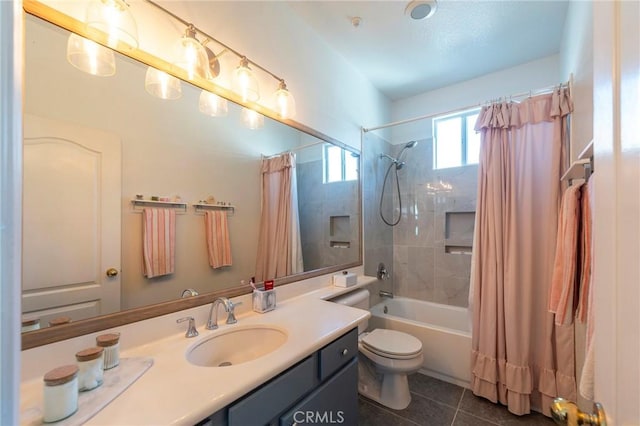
(90, 365)
(111, 345)
(30, 324)
(60, 393)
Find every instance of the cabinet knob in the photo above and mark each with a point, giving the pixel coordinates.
(345, 351)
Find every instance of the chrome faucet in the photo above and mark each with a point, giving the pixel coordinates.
(191, 330)
(384, 293)
(189, 292)
(228, 305)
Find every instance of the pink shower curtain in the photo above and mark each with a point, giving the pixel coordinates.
(279, 247)
(519, 358)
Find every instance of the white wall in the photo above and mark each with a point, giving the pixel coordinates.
(331, 95)
(529, 76)
(576, 57)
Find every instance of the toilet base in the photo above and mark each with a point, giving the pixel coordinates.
(388, 389)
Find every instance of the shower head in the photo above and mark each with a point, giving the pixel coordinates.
(399, 161)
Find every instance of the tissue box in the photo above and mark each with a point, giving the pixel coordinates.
(264, 300)
(345, 279)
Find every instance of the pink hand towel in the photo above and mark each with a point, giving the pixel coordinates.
(158, 241)
(563, 283)
(217, 234)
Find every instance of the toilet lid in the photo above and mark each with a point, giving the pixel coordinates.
(394, 343)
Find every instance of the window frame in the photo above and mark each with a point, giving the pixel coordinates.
(343, 164)
(463, 139)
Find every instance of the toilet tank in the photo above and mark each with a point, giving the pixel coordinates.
(356, 299)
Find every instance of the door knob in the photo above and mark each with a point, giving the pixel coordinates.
(112, 272)
(566, 412)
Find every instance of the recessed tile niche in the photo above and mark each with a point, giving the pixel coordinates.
(458, 231)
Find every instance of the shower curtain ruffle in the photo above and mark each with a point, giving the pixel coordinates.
(505, 115)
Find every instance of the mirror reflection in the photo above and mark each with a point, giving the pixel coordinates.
(103, 157)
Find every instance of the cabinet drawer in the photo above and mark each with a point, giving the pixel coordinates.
(338, 353)
(267, 402)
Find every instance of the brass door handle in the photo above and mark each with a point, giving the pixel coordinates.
(112, 272)
(566, 412)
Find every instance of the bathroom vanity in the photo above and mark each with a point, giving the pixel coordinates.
(310, 378)
(323, 388)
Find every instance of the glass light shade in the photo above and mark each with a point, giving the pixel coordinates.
(189, 55)
(162, 85)
(244, 83)
(114, 18)
(252, 119)
(212, 104)
(90, 57)
(283, 102)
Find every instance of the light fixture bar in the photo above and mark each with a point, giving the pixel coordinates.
(235, 52)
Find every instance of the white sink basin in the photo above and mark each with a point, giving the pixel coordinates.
(236, 346)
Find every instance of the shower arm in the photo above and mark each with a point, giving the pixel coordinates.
(395, 160)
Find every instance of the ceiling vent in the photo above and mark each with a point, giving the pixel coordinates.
(421, 9)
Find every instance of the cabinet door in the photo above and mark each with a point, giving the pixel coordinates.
(334, 402)
(266, 403)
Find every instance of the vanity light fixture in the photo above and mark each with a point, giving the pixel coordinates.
(162, 85)
(114, 18)
(252, 119)
(200, 61)
(245, 83)
(90, 57)
(284, 103)
(212, 104)
(190, 55)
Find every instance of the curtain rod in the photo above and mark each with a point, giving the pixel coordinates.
(297, 148)
(423, 117)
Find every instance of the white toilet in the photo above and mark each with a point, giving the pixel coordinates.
(386, 357)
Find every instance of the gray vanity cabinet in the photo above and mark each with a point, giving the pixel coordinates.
(332, 403)
(322, 389)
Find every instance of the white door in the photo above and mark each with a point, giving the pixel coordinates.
(71, 220)
(617, 214)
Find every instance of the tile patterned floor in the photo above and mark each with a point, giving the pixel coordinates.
(438, 403)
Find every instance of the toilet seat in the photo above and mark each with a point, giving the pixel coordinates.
(391, 344)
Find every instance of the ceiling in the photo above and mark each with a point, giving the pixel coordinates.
(462, 40)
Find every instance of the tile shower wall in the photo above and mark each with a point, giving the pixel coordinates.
(431, 244)
(329, 218)
(378, 237)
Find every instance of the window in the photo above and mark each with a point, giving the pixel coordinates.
(456, 143)
(339, 164)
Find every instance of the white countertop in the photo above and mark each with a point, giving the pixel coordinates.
(173, 391)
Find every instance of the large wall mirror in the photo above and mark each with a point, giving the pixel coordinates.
(94, 144)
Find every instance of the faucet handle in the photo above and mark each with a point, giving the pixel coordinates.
(191, 330)
(231, 318)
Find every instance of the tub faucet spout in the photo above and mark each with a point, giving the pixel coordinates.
(386, 294)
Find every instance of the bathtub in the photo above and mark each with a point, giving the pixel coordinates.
(443, 330)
